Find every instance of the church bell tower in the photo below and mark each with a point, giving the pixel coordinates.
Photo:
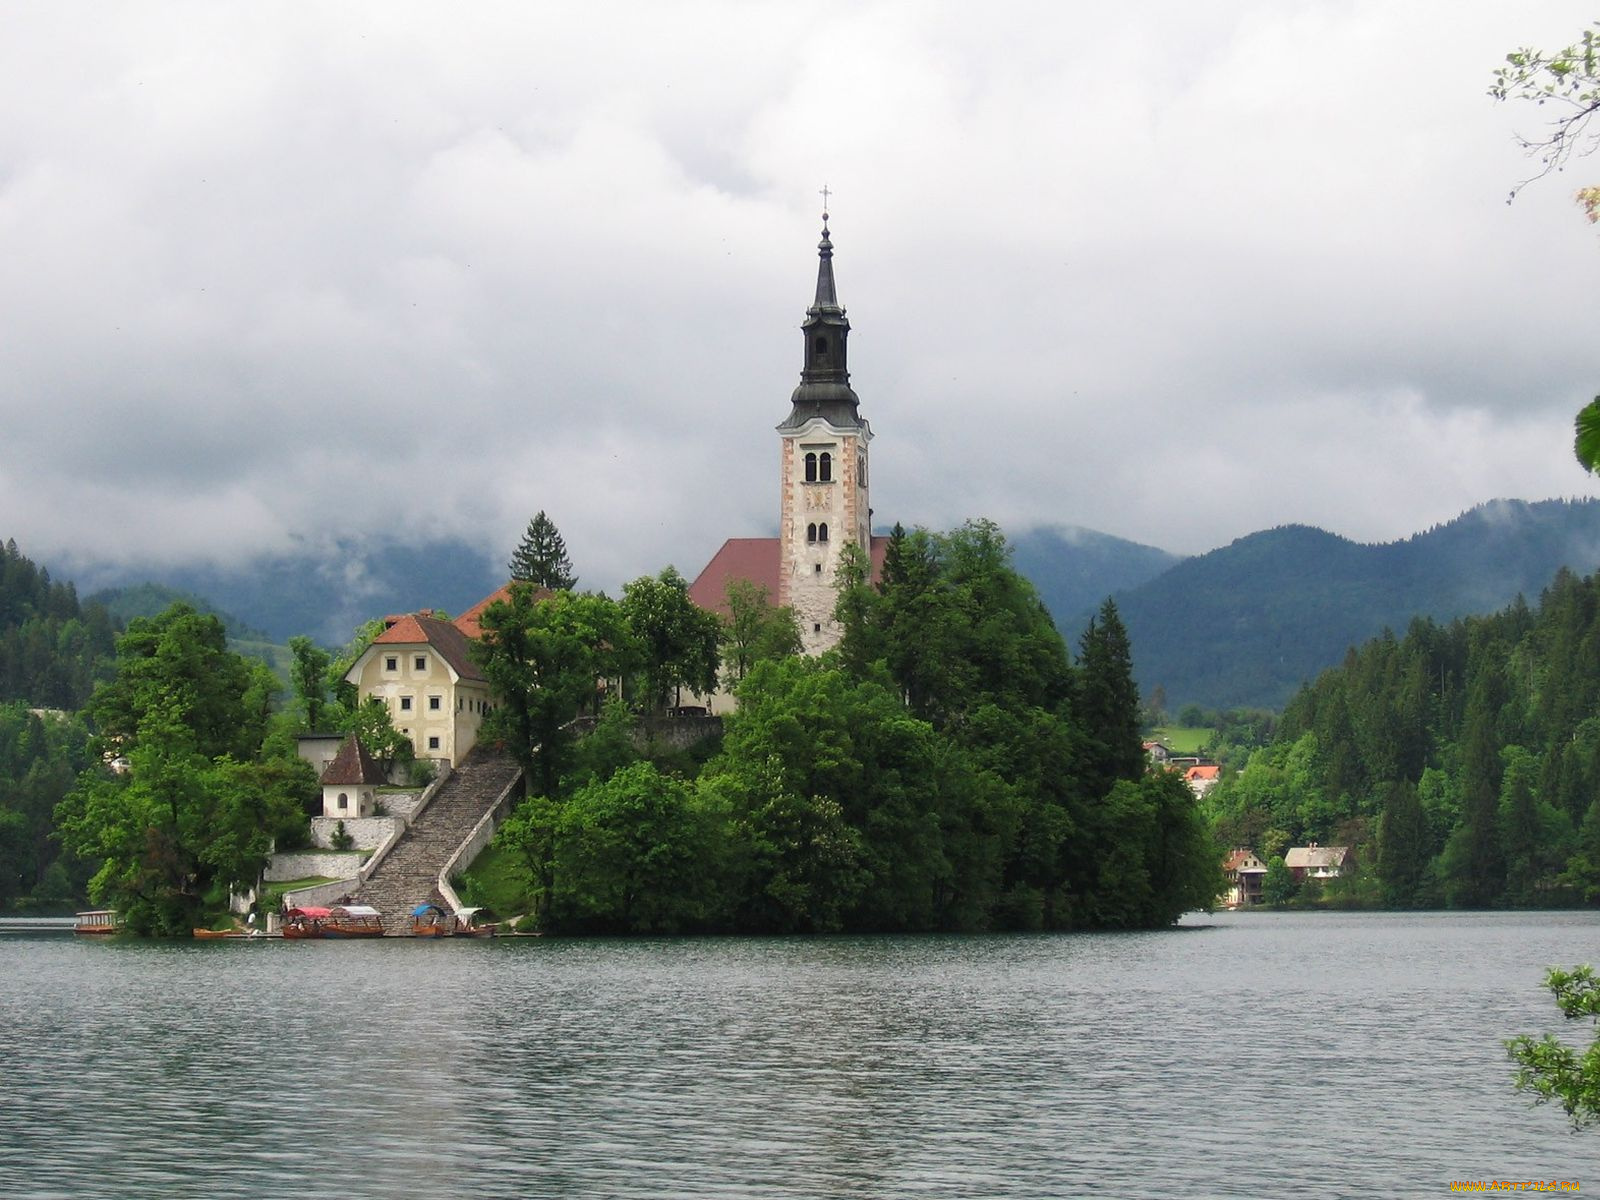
(824, 467)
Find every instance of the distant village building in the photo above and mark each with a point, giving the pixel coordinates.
(1157, 753)
(1202, 777)
(824, 502)
(1244, 874)
(1317, 862)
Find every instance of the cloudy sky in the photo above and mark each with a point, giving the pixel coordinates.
(278, 274)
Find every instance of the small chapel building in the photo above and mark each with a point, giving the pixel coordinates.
(824, 502)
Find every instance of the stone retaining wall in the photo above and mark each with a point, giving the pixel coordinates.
(367, 833)
(330, 865)
(674, 733)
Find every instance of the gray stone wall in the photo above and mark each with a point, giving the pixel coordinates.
(304, 865)
(368, 833)
(674, 733)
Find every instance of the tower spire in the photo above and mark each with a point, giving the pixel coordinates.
(827, 294)
(825, 389)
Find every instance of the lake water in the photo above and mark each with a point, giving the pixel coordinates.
(1252, 1055)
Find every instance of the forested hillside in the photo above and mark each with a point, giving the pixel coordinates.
(52, 652)
(52, 648)
(1250, 623)
(1461, 760)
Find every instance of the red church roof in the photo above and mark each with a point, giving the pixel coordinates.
(754, 559)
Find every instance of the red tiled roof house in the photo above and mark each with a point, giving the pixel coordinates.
(421, 668)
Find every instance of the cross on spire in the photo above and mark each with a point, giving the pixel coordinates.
(825, 193)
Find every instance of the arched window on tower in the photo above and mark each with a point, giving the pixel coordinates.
(811, 468)
(825, 468)
(811, 533)
(822, 532)
(861, 470)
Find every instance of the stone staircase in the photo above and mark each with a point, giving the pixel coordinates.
(409, 874)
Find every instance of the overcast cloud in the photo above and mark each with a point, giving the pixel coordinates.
(275, 274)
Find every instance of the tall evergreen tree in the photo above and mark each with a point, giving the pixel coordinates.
(1108, 703)
(542, 559)
(1477, 859)
(1402, 846)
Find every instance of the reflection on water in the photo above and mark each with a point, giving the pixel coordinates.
(1249, 1055)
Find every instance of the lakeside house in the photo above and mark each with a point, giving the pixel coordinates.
(1317, 862)
(1244, 874)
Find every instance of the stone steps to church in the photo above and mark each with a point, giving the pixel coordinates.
(408, 875)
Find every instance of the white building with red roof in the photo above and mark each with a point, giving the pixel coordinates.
(421, 668)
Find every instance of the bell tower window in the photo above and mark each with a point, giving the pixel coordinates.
(811, 468)
(811, 532)
(822, 532)
(825, 468)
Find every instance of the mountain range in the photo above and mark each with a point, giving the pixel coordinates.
(1241, 626)
(1245, 625)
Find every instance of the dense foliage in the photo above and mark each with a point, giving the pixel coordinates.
(52, 648)
(204, 791)
(948, 767)
(52, 651)
(41, 754)
(1462, 760)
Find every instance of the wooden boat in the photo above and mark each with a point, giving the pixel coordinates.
(352, 921)
(209, 934)
(98, 921)
(304, 922)
(431, 921)
(468, 924)
(340, 921)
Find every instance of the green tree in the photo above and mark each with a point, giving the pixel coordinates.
(1402, 846)
(1279, 886)
(1474, 858)
(795, 862)
(373, 725)
(308, 675)
(183, 826)
(542, 657)
(541, 557)
(676, 639)
(1108, 703)
(1553, 1071)
(633, 855)
(178, 665)
(754, 630)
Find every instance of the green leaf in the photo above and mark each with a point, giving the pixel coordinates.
(1587, 444)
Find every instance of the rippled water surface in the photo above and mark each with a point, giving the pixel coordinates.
(1242, 1055)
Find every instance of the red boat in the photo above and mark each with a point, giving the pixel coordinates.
(304, 922)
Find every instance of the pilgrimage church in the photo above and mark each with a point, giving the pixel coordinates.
(421, 667)
(823, 485)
